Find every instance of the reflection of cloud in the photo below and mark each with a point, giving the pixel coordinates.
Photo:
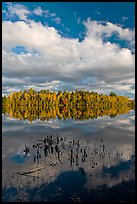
(123, 121)
(118, 147)
(52, 124)
(101, 179)
(12, 128)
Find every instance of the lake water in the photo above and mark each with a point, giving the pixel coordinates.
(83, 160)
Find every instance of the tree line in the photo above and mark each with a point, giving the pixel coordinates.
(77, 104)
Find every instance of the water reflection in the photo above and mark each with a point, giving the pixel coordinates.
(74, 161)
(32, 113)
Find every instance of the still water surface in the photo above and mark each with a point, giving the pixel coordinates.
(83, 160)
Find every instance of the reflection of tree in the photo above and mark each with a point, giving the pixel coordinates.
(77, 153)
(78, 105)
(26, 150)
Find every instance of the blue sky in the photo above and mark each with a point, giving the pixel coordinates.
(68, 46)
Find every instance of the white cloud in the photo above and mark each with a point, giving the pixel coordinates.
(98, 13)
(57, 20)
(66, 59)
(52, 14)
(41, 12)
(4, 11)
(68, 29)
(19, 10)
(124, 18)
(77, 18)
(98, 30)
(23, 12)
(46, 13)
(12, 81)
(38, 11)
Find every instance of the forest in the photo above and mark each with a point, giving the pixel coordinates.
(79, 105)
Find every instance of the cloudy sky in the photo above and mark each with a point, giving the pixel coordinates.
(69, 46)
